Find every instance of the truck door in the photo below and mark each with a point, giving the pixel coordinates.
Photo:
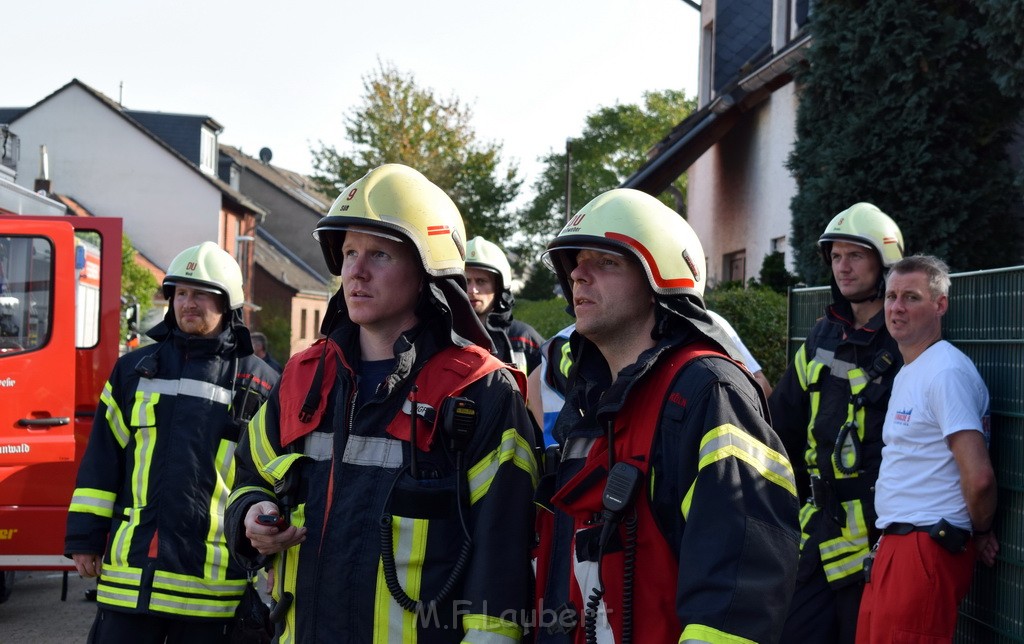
(37, 384)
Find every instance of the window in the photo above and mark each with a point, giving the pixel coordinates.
(302, 325)
(316, 322)
(734, 265)
(26, 293)
(779, 245)
(207, 151)
(87, 289)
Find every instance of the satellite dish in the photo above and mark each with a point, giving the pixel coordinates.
(266, 155)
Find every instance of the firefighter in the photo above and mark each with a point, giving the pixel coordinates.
(672, 514)
(147, 512)
(829, 409)
(397, 451)
(488, 283)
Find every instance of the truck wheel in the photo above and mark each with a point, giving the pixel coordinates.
(6, 584)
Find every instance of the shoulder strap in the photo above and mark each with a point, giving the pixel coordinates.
(445, 374)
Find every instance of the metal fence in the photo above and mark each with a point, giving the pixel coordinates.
(985, 321)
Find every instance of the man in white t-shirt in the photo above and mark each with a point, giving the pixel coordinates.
(936, 490)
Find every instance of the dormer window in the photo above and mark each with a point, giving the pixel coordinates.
(208, 151)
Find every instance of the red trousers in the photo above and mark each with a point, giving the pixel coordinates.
(915, 589)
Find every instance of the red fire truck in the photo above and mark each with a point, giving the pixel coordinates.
(60, 315)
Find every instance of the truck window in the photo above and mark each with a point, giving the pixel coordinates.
(26, 293)
(87, 289)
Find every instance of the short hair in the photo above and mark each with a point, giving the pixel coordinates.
(258, 339)
(934, 268)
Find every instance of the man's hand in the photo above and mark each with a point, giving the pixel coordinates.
(88, 565)
(268, 540)
(988, 548)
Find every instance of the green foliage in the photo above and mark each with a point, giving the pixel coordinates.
(401, 122)
(759, 316)
(278, 330)
(774, 274)
(136, 282)
(540, 285)
(547, 316)
(899, 107)
(613, 145)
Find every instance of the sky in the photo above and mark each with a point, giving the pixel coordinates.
(284, 75)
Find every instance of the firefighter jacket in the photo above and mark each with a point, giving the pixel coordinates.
(515, 342)
(345, 476)
(154, 482)
(715, 521)
(839, 377)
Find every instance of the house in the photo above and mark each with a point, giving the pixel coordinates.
(292, 282)
(734, 147)
(109, 160)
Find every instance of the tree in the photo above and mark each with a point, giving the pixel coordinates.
(900, 107)
(137, 283)
(400, 122)
(613, 145)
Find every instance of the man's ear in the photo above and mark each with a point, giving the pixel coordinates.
(941, 305)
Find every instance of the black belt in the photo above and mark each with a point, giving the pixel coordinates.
(905, 528)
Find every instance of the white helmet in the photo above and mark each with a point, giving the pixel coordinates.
(206, 266)
(394, 198)
(486, 255)
(635, 223)
(864, 224)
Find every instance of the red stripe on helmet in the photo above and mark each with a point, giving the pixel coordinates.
(681, 282)
(438, 230)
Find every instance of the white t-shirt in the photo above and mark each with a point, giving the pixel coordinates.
(936, 395)
(748, 358)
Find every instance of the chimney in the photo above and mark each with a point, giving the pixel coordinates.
(42, 185)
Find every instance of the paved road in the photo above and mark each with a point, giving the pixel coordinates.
(35, 614)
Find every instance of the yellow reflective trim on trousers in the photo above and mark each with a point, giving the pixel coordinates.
(565, 362)
(215, 564)
(513, 447)
(490, 629)
(93, 501)
(391, 622)
(728, 440)
(115, 420)
(845, 554)
(699, 633)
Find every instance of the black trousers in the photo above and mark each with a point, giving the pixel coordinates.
(115, 627)
(818, 613)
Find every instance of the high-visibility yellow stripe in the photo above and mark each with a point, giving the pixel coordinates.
(145, 442)
(115, 420)
(728, 440)
(382, 607)
(800, 366)
(697, 633)
(565, 363)
(190, 584)
(192, 606)
(491, 630)
(514, 448)
(115, 596)
(93, 501)
(215, 564)
(687, 500)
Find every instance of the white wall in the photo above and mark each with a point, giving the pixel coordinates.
(739, 190)
(115, 170)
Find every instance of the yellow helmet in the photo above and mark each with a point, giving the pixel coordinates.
(864, 224)
(394, 198)
(636, 223)
(481, 253)
(206, 266)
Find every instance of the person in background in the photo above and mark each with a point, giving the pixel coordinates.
(748, 358)
(936, 491)
(391, 473)
(828, 408)
(260, 347)
(154, 482)
(671, 515)
(489, 285)
(549, 382)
